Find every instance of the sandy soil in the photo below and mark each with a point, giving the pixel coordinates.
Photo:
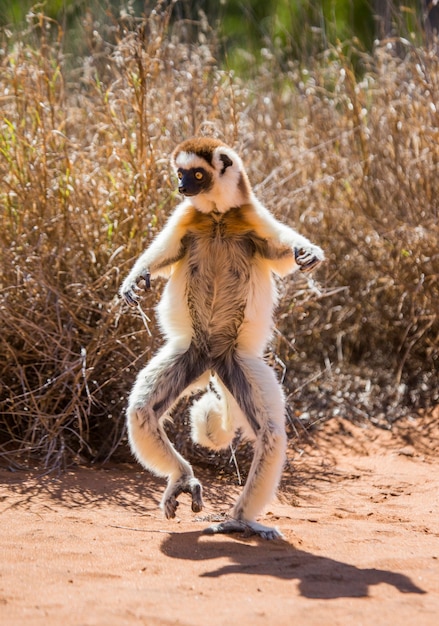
(360, 517)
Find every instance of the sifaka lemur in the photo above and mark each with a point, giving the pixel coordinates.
(220, 250)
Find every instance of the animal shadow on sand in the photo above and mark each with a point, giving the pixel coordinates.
(319, 577)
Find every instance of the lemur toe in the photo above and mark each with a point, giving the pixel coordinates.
(170, 507)
(197, 498)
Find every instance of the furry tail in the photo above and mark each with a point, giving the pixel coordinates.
(211, 419)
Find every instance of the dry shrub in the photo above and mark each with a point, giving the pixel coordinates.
(86, 185)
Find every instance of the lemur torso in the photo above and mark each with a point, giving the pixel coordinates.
(220, 252)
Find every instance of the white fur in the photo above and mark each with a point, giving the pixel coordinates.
(225, 192)
(186, 160)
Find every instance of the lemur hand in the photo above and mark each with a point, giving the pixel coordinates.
(308, 258)
(129, 289)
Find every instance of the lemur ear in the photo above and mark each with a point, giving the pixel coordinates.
(226, 161)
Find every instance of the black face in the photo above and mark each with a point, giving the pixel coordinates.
(194, 181)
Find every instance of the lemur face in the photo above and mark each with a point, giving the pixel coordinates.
(194, 180)
(211, 173)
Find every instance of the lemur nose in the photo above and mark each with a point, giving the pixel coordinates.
(181, 189)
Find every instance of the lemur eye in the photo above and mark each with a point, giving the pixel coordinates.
(179, 175)
(198, 175)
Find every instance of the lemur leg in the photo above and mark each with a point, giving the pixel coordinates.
(259, 395)
(157, 387)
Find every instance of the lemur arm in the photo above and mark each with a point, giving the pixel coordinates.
(284, 248)
(158, 259)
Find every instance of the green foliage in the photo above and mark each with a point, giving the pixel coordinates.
(290, 29)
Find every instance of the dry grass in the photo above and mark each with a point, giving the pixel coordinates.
(86, 184)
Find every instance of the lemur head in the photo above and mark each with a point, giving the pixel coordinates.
(211, 174)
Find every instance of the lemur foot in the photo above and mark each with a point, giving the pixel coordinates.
(192, 486)
(247, 528)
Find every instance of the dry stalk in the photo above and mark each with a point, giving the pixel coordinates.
(352, 162)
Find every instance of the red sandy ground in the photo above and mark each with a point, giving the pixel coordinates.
(360, 519)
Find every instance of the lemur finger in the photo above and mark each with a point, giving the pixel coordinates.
(145, 278)
(130, 297)
(302, 255)
(309, 265)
